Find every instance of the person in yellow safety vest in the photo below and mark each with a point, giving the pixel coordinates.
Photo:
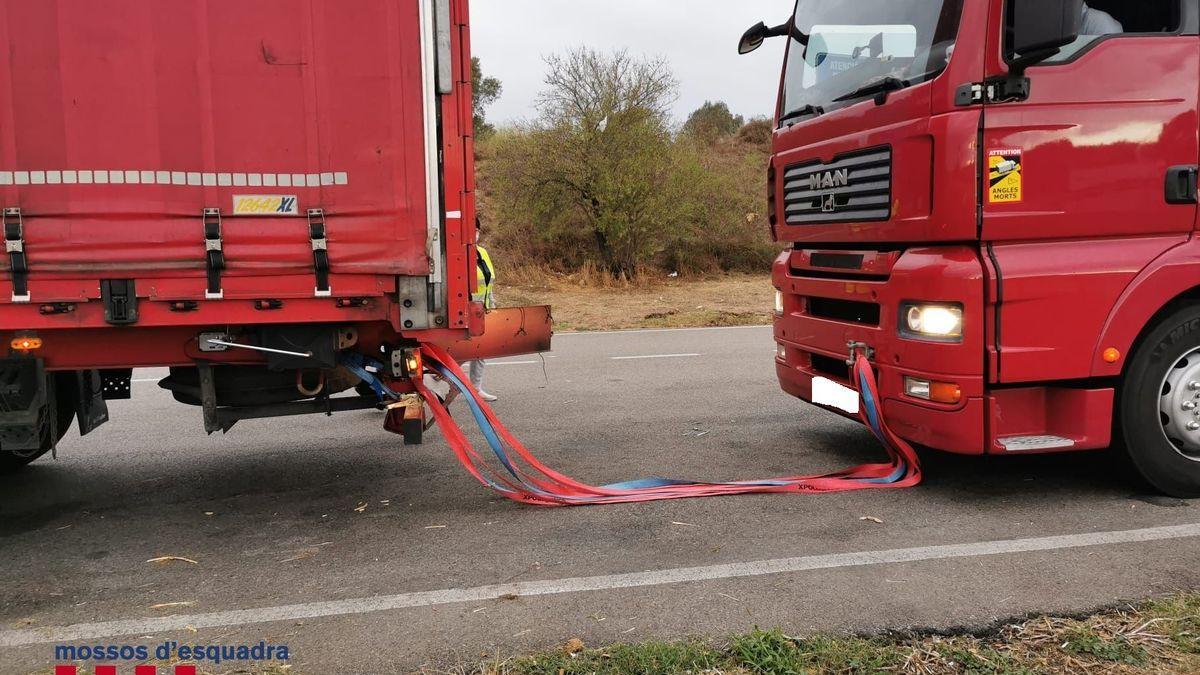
(485, 294)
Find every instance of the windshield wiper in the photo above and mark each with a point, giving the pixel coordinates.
(805, 111)
(881, 87)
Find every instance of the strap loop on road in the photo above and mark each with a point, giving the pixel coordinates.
(523, 478)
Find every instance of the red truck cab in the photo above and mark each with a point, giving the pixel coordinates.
(997, 201)
(274, 200)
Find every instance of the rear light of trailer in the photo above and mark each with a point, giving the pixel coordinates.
(26, 343)
(413, 367)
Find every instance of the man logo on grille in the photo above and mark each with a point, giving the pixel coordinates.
(829, 179)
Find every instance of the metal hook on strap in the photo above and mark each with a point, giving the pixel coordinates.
(859, 347)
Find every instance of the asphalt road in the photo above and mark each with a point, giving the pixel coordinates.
(436, 569)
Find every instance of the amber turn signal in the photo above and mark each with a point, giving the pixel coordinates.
(413, 366)
(1112, 355)
(938, 392)
(26, 343)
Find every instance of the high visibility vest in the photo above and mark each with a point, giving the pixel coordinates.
(487, 278)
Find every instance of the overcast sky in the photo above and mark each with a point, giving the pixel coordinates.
(697, 37)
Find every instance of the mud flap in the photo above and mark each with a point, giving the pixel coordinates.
(90, 405)
(27, 400)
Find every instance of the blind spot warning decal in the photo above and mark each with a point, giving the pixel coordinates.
(1004, 176)
(266, 205)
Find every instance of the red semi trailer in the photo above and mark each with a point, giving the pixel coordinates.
(997, 201)
(257, 194)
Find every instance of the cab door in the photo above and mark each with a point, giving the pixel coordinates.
(1087, 178)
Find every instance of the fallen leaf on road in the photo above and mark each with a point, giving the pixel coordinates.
(301, 555)
(435, 527)
(171, 558)
(166, 605)
(573, 646)
(681, 524)
(209, 513)
(873, 519)
(362, 506)
(191, 629)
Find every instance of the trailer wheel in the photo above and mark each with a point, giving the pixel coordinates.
(1160, 405)
(12, 461)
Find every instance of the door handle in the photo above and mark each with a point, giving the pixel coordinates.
(1181, 184)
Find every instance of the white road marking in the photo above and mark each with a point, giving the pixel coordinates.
(653, 356)
(383, 603)
(635, 331)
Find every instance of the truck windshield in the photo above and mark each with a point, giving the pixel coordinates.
(843, 51)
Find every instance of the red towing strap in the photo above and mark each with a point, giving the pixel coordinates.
(523, 478)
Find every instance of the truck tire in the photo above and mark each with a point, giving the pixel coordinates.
(1160, 405)
(12, 461)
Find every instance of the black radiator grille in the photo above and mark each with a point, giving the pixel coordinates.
(853, 188)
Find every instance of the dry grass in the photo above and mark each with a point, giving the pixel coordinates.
(1160, 636)
(591, 300)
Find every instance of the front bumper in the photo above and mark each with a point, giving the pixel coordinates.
(833, 298)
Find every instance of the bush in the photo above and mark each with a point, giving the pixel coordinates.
(600, 179)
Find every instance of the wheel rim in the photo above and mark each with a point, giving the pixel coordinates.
(1179, 405)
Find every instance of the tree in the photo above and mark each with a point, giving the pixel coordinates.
(486, 91)
(595, 167)
(599, 180)
(712, 121)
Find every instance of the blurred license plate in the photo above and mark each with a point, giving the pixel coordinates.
(830, 393)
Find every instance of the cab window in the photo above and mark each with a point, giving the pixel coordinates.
(1104, 19)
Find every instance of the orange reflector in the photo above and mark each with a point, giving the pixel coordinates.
(1112, 355)
(25, 343)
(944, 392)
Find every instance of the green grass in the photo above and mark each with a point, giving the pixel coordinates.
(1159, 636)
(1084, 641)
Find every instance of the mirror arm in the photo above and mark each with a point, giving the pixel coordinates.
(780, 30)
(1021, 63)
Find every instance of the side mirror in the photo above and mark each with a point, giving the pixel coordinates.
(1041, 27)
(753, 38)
(758, 33)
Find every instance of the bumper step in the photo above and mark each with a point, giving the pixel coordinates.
(1035, 443)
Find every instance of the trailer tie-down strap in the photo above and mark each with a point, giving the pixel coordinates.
(523, 478)
(319, 238)
(214, 253)
(14, 245)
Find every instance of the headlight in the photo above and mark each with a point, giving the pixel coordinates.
(939, 322)
(779, 302)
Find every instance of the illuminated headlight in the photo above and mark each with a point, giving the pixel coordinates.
(939, 322)
(779, 302)
(781, 352)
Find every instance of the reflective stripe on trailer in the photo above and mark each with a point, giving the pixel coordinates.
(177, 178)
